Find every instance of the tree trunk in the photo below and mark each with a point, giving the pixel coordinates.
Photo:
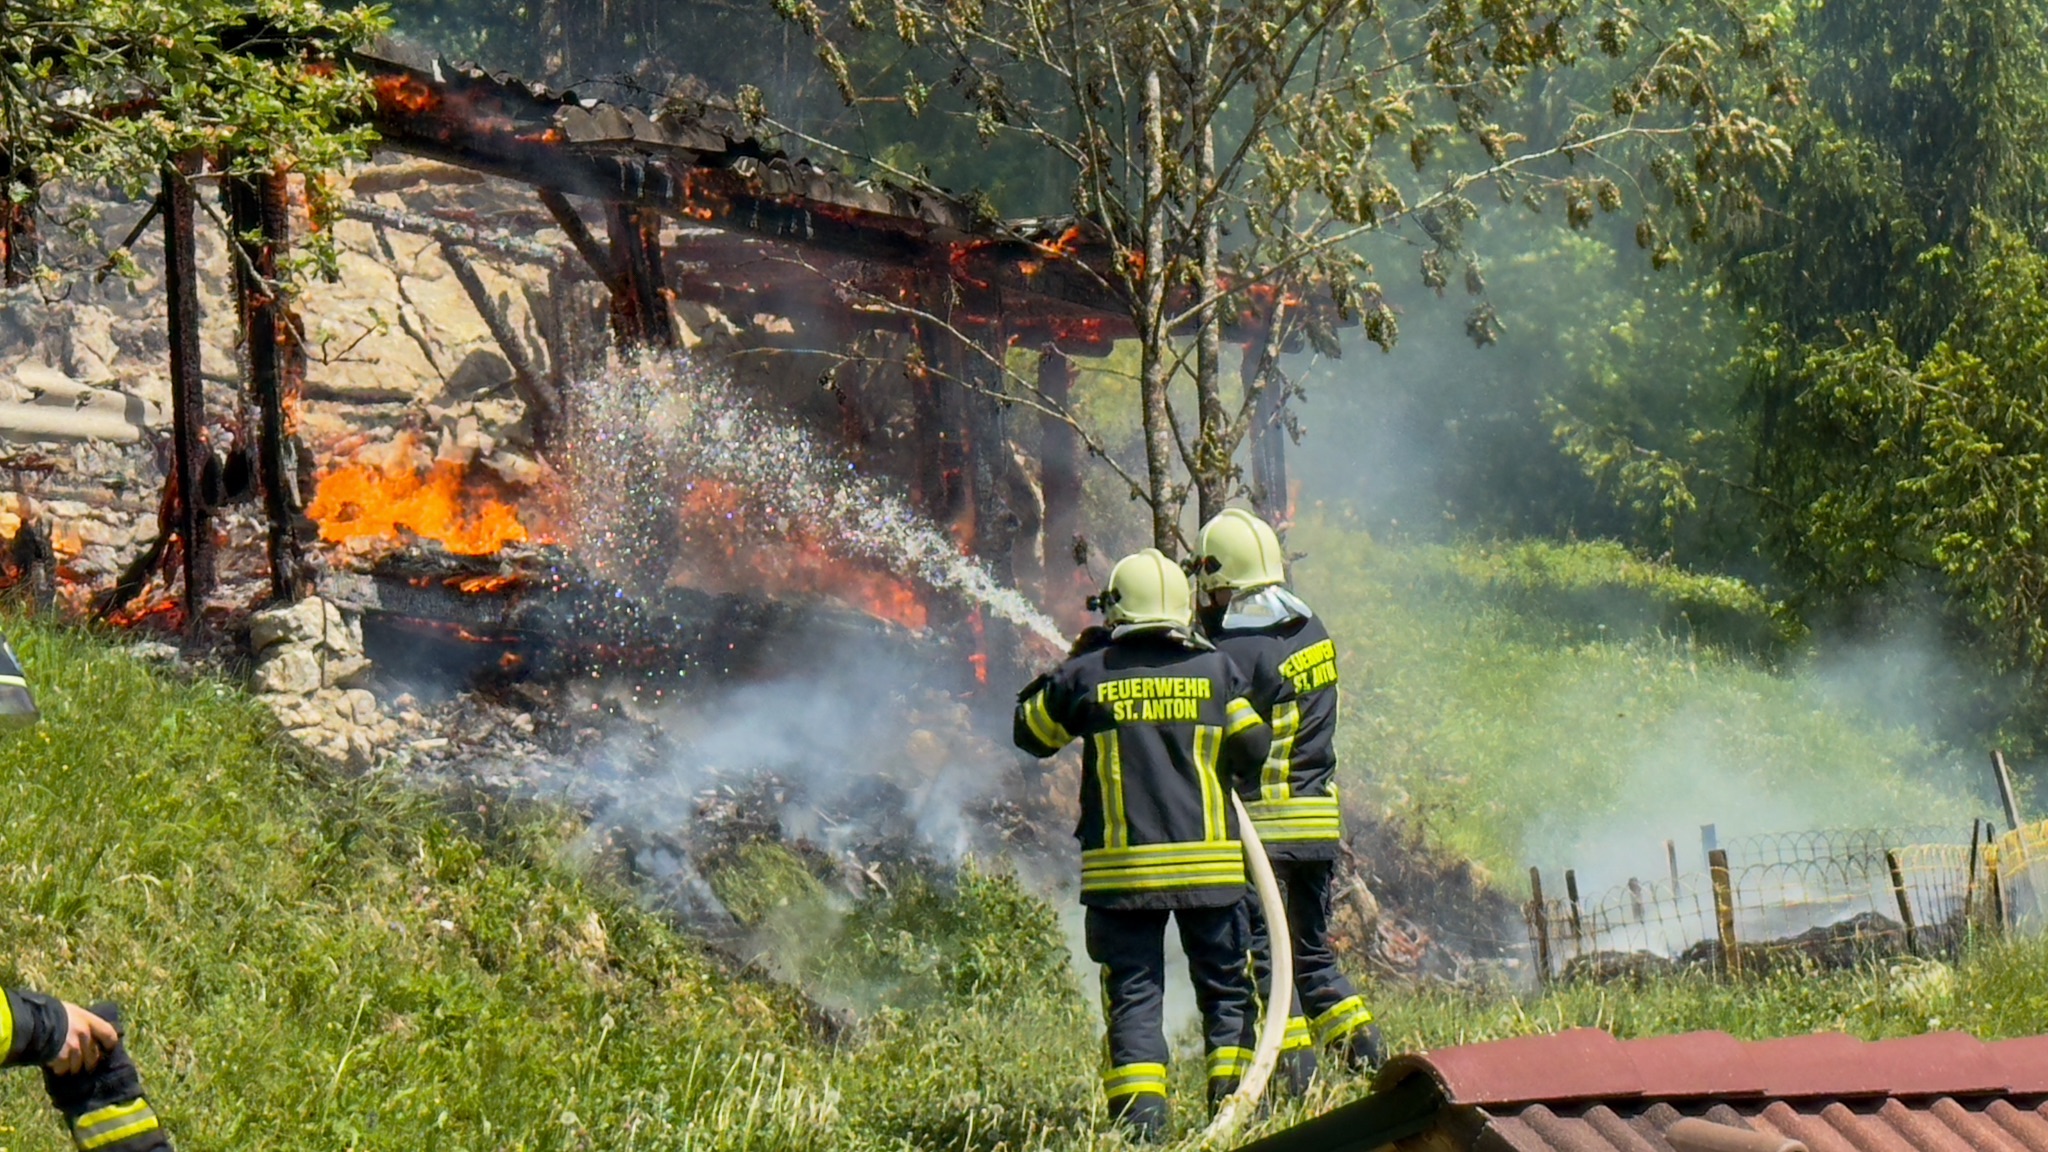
(1212, 454)
(1152, 362)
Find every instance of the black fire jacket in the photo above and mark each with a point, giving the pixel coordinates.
(1293, 800)
(1166, 726)
(32, 1028)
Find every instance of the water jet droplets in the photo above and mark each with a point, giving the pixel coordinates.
(640, 438)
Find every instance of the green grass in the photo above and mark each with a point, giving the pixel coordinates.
(1525, 703)
(315, 962)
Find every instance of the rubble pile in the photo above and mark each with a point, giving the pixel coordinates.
(310, 670)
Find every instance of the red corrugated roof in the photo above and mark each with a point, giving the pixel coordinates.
(1586, 1064)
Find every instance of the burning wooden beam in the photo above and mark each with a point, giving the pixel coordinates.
(189, 453)
(640, 312)
(259, 212)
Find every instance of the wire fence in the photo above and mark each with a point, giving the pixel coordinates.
(1830, 898)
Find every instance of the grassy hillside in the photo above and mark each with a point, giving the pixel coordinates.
(312, 962)
(1571, 705)
(315, 962)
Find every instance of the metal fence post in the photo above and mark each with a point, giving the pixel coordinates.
(1724, 906)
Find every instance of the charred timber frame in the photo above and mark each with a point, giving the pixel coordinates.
(711, 174)
(189, 453)
(640, 312)
(1059, 472)
(259, 212)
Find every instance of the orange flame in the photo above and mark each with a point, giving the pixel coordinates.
(369, 501)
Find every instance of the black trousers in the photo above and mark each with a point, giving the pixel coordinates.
(1327, 1009)
(1130, 946)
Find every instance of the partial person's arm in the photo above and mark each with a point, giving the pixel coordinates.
(1246, 737)
(42, 1030)
(1037, 727)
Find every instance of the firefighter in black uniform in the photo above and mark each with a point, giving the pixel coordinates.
(1249, 614)
(1166, 727)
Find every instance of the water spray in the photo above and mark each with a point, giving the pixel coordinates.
(638, 429)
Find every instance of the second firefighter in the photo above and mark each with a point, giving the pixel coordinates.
(1293, 801)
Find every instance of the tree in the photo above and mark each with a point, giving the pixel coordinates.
(113, 91)
(1233, 157)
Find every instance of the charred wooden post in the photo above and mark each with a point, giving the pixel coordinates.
(539, 395)
(1059, 464)
(18, 252)
(941, 437)
(1994, 882)
(920, 371)
(189, 453)
(640, 313)
(1905, 901)
(1539, 925)
(259, 212)
(986, 408)
(1970, 876)
(1571, 892)
(571, 223)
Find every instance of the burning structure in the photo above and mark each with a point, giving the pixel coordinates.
(713, 416)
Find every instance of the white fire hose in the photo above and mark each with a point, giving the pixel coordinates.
(1279, 991)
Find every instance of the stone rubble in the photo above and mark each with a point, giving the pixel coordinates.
(309, 668)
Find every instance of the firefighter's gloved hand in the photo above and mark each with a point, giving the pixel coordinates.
(104, 1104)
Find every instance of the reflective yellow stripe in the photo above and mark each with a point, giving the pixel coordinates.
(1240, 715)
(1038, 717)
(105, 1126)
(1274, 783)
(1109, 773)
(12, 681)
(1229, 1062)
(1297, 818)
(1297, 1034)
(6, 1025)
(1344, 1017)
(1134, 1080)
(1208, 749)
(1159, 867)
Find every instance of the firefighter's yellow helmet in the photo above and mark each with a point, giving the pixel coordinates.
(1237, 550)
(1147, 588)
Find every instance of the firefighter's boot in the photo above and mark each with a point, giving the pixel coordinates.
(1363, 1050)
(1142, 1117)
